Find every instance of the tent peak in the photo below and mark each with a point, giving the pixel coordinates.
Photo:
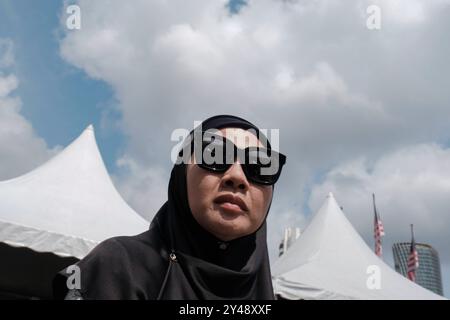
(64, 199)
(89, 127)
(331, 200)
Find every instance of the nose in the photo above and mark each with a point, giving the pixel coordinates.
(235, 177)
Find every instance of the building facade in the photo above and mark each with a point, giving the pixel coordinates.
(290, 235)
(428, 274)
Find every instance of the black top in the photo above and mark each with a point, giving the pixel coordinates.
(176, 258)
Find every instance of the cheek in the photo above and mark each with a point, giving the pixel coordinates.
(261, 200)
(200, 188)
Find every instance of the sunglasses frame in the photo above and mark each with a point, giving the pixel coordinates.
(237, 153)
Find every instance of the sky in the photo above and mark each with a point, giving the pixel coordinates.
(360, 111)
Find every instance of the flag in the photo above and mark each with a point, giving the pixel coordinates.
(378, 230)
(413, 259)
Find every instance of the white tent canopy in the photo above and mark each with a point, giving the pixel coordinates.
(67, 205)
(331, 261)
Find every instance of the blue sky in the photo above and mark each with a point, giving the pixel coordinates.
(58, 99)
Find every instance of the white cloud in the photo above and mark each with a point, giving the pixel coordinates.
(310, 61)
(412, 184)
(145, 188)
(409, 11)
(191, 51)
(7, 85)
(337, 90)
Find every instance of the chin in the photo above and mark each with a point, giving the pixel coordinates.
(229, 228)
(222, 223)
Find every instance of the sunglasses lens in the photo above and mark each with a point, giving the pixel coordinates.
(262, 166)
(214, 155)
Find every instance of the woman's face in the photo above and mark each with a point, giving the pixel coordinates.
(208, 191)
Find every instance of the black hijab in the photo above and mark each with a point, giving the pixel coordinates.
(176, 258)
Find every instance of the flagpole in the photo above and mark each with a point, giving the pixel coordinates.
(374, 224)
(378, 230)
(413, 258)
(374, 207)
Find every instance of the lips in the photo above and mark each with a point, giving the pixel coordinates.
(228, 199)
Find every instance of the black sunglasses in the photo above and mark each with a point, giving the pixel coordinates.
(216, 153)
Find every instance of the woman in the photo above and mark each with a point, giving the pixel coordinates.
(208, 241)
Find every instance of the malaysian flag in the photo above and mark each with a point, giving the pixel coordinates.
(413, 259)
(378, 230)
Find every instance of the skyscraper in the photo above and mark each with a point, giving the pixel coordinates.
(428, 274)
